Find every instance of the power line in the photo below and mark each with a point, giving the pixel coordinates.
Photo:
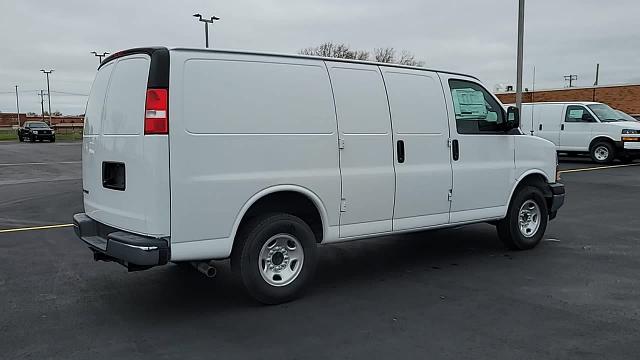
(570, 79)
(68, 93)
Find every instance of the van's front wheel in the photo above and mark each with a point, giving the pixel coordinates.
(526, 220)
(275, 257)
(602, 152)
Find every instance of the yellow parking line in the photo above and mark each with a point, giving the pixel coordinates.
(597, 168)
(36, 228)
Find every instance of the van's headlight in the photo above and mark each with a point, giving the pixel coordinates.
(630, 131)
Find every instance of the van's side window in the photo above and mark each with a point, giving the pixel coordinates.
(476, 111)
(578, 113)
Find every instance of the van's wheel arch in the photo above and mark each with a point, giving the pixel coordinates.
(602, 151)
(274, 257)
(526, 220)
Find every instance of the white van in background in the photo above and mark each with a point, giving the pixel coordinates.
(192, 155)
(583, 127)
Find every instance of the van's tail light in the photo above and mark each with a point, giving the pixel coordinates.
(156, 115)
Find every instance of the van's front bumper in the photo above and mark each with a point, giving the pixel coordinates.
(557, 199)
(136, 252)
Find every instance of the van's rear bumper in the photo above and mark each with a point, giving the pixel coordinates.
(134, 251)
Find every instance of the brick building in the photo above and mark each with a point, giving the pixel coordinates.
(621, 97)
(9, 120)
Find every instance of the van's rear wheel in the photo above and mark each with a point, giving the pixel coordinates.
(602, 152)
(275, 257)
(526, 220)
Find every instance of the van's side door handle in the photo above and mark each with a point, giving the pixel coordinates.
(540, 127)
(400, 150)
(455, 149)
(562, 127)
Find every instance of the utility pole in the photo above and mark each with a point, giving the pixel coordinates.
(17, 105)
(570, 79)
(100, 56)
(42, 103)
(47, 72)
(597, 74)
(520, 54)
(206, 26)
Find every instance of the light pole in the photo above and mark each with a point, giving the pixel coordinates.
(47, 72)
(17, 105)
(100, 56)
(206, 26)
(520, 51)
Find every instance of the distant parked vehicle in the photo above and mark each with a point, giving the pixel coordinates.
(36, 131)
(626, 117)
(583, 127)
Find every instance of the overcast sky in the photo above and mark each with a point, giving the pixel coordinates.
(471, 36)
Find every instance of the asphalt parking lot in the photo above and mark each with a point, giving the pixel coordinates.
(448, 294)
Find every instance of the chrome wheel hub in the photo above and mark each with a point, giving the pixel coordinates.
(529, 218)
(601, 153)
(281, 259)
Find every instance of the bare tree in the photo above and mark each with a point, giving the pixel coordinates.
(362, 55)
(344, 51)
(384, 55)
(329, 49)
(409, 59)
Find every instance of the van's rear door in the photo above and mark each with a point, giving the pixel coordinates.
(125, 171)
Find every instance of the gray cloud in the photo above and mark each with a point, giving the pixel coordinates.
(476, 37)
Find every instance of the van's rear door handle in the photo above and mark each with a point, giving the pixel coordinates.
(400, 150)
(455, 149)
(562, 127)
(540, 127)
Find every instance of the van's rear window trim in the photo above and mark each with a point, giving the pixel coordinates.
(158, 69)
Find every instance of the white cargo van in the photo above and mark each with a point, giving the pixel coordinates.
(192, 155)
(587, 127)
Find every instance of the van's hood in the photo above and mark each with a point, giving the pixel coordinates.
(625, 124)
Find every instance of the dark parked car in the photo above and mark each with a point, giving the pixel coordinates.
(36, 130)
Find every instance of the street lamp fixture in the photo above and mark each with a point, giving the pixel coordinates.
(100, 56)
(206, 26)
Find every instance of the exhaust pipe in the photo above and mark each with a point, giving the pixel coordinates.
(205, 267)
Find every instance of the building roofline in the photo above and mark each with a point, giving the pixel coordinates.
(299, 56)
(571, 88)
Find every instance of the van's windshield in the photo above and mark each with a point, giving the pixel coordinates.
(605, 113)
(626, 117)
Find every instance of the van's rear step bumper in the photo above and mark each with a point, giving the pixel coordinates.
(135, 252)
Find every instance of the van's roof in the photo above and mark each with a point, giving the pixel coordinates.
(148, 50)
(562, 102)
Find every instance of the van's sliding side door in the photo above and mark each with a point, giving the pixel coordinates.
(422, 161)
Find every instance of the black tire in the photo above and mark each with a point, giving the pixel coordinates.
(245, 257)
(52, 139)
(20, 138)
(601, 147)
(32, 139)
(509, 228)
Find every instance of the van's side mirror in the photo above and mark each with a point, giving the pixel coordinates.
(513, 118)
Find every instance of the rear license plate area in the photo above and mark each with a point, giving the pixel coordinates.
(113, 175)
